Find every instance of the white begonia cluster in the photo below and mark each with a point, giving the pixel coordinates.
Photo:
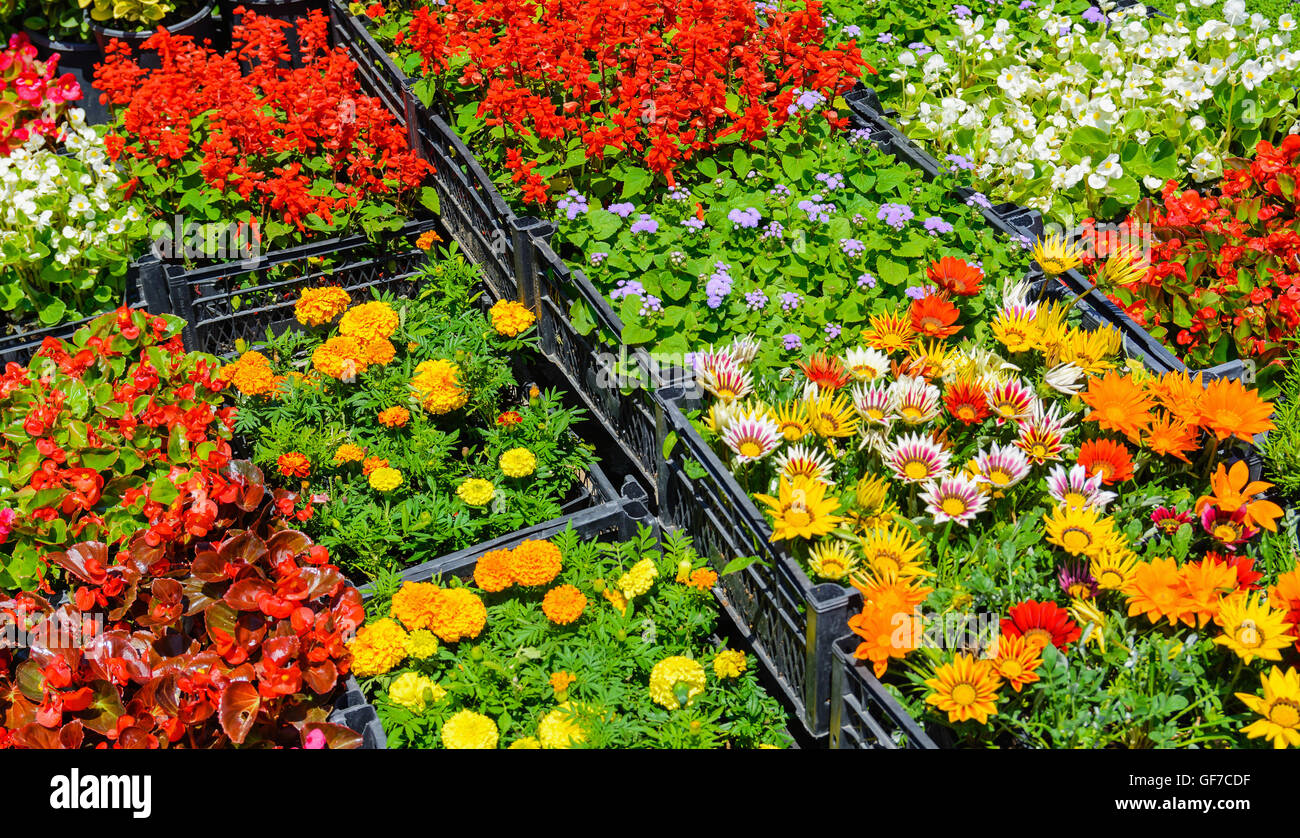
(1011, 105)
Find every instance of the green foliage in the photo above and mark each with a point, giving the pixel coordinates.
(1282, 445)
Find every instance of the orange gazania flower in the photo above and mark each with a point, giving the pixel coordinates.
(955, 276)
(1171, 437)
(1156, 589)
(1017, 660)
(1041, 623)
(889, 332)
(886, 633)
(965, 400)
(1205, 583)
(294, 464)
(1285, 596)
(1109, 459)
(1229, 409)
(934, 316)
(826, 372)
(1117, 404)
(1233, 489)
(1180, 394)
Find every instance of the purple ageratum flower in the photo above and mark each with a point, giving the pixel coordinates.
(573, 205)
(885, 38)
(831, 180)
(859, 219)
(1092, 14)
(853, 30)
(852, 247)
(774, 230)
(756, 301)
(866, 281)
(809, 100)
(895, 215)
(832, 332)
(790, 300)
(679, 193)
(792, 342)
(1064, 30)
(961, 11)
(1027, 4)
(937, 226)
(622, 210)
(747, 218)
(977, 199)
(650, 304)
(920, 48)
(598, 257)
(780, 191)
(694, 224)
(917, 292)
(859, 135)
(959, 161)
(817, 212)
(628, 288)
(645, 224)
(718, 286)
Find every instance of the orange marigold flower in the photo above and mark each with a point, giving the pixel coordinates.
(561, 681)
(458, 614)
(349, 453)
(414, 604)
(294, 464)
(340, 357)
(371, 463)
(1117, 404)
(378, 352)
(394, 417)
(317, 306)
(1109, 459)
(369, 322)
(1229, 409)
(1018, 659)
(704, 579)
(492, 572)
(535, 563)
(564, 604)
(1233, 489)
(1171, 437)
(935, 317)
(426, 241)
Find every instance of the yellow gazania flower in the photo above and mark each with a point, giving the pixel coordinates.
(801, 509)
(891, 550)
(1252, 629)
(1114, 565)
(832, 560)
(1091, 351)
(966, 689)
(1124, 267)
(832, 415)
(1280, 707)
(1055, 255)
(1080, 531)
(1016, 330)
(1087, 614)
(889, 332)
(792, 420)
(1050, 321)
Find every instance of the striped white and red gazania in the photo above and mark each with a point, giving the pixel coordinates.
(1001, 467)
(916, 458)
(1042, 435)
(1010, 400)
(752, 437)
(803, 461)
(956, 497)
(1074, 488)
(876, 402)
(917, 400)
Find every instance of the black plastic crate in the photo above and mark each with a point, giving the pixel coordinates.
(863, 713)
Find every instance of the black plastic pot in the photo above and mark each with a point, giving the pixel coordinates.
(288, 10)
(202, 26)
(79, 59)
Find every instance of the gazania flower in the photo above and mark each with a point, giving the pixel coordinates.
(792, 420)
(966, 689)
(743, 350)
(831, 415)
(1252, 629)
(1076, 580)
(1205, 583)
(1041, 623)
(1113, 567)
(1010, 400)
(1124, 267)
(866, 364)
(955, 498)
(1233, 490)
(935, 317)
(1285, 596)
(1168, 519)
(1180, 394)
(727, 383)
(1066, 379)
(1106, 459)
(1089, 350)
(1017, 660)
(832, 560)
(394, 417)
(1050, 321)
(915, 458)
(1042, 434)
(1231, 529)
(1075, 488)
(1001, 467)
(1090, 617)
(825, 371)
(802, 461)
(752, 438)
(1117, 404)
(1230, 410)
(891, 553)
(887, 632)
(713, 362)
(1015, 328)
(1243, 566)
(965, 401)
(1078, 530)
(889, 332)
(801, 509)
(875, 402)
(916, 400)
(1156, 589)
(929, 360)
(294, 464)
(1279, 709)
(1169, 437)
(1055, 255)
(955, 276)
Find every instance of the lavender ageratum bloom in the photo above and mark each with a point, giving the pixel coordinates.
(809, 100)
(853, 30)
(866, 281)
(718, 286)
(599, 257)
(651, 304)
(895, 215)
(694, 224)
(885, 38)
(959, 161)
(1092, 14)
(917, 292)
(790, 300)
(780, 191)
(622, 210)
(1027, 4)
(920, 48)
(859, 135)
(977, 199)
(859, 219)
(756, 301)
(645, 224)
(961, 11)
(832, 332)
(792, 341)
(627, 288)
(573, 205)
(852, 247)
(679, 193)
(831, 180)
(747, 218)
(936, 226)
(677, 258)
(774, 230)
(817, 212)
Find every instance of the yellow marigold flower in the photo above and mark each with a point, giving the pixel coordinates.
(527, 743)
(340, 357)
(615, 599)
(385, 479)
(394, 417)
(561, 681)
(510, 318)
(676, 681)
(729, 663)
(369, 322)
(421, 644)
(378, 352)
(535, 563)
(492, 571)
(518, 462)
(563, 605)
(476, 492)
(377, 648)
(468, 730)
(414, 604)
(639, 579)
(458, 614)
(349, 453)
(317, 306)
(436, 385)
(559, 728)
(414, 691)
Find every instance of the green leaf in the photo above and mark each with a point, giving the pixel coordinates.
(634, 334)
(635, 182)
(430, 201)
(740, 563)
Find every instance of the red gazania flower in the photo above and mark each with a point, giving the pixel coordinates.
(1168, 519)
(955, 276)
(1042, 623)
(294, 464)
(965, 400)
(1247, 577)
(1109, 459)
(935, 317)
(825, 372)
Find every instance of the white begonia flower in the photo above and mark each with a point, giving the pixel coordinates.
(1152, 182)
(1109, 170)
(1234, 12)
(1205, 166)
(907, 58)
(1252, 73)
(1286, 23)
